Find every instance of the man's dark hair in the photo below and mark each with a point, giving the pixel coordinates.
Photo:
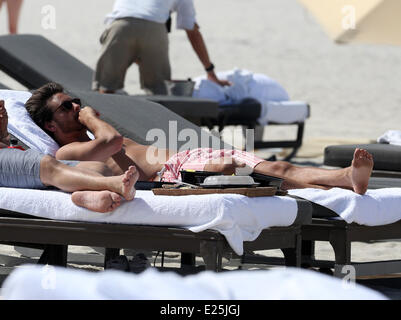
(37, 103)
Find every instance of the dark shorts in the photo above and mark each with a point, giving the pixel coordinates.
(21, 169)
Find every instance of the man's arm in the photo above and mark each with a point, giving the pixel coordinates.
(108, 141)
(4, 135)
(198, 44)
(5, 142)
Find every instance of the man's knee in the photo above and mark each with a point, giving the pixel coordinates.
(279, 168)
(96, 166)
(48, 162)
(48, 165)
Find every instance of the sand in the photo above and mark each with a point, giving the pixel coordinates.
(352, 89)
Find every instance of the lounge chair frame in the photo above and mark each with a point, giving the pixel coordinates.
(20, 229)
(326, 226)
(340, 235)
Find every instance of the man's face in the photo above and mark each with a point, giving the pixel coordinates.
(65, 115)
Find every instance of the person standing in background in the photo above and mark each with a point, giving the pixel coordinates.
(137, 33)
(13, 8)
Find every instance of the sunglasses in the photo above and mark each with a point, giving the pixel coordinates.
(67, 105)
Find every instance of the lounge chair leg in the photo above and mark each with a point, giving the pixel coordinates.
(212, 254)
(292, 256)
(307, 253)
(111, 253)
(342, 251)
(187, 259)
(55, 255)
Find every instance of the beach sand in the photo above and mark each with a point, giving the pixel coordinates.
(352, 89)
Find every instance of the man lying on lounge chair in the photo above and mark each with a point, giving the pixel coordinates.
(62, 118)
(87, 180)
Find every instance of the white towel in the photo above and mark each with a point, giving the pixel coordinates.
(283, 112)
(237, 217)
(391, 137)
(55, 283)
(21, 125)
(375, 208)
(245, 84)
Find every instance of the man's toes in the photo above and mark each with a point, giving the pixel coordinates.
(131, 170)
(115, 197)
(115, 205)
(127, 177)
(367, 155)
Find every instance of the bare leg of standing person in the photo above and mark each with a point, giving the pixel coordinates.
(14, 8)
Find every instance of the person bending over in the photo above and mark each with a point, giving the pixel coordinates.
(88, 181)
(136, 33)
(62, 117)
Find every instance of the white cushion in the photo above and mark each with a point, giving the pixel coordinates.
(21, 125)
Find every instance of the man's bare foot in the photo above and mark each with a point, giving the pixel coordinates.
(130, 177)
(99, 201)
(360, 170)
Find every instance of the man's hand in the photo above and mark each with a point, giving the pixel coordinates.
(4, 136)
(3, 119)
(87, 113)
(212, 77)
(227, 166)
(199, 46)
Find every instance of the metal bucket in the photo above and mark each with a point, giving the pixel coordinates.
(179, 87)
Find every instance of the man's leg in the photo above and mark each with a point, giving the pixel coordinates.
(70, 179)
(101, 194)
(95, 168)
(153, 60)
(355, 177)
(229, 165)
(118, 44)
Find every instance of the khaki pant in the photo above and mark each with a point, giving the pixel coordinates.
(130, 40)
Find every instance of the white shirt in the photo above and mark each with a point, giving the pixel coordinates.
(155, 10)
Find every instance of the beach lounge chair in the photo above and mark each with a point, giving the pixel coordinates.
(33, 61)
(374, 217)
(341, 235)
(327, 227)
(323, 228)
(387, 157)
(246, 114)
(139, 116)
